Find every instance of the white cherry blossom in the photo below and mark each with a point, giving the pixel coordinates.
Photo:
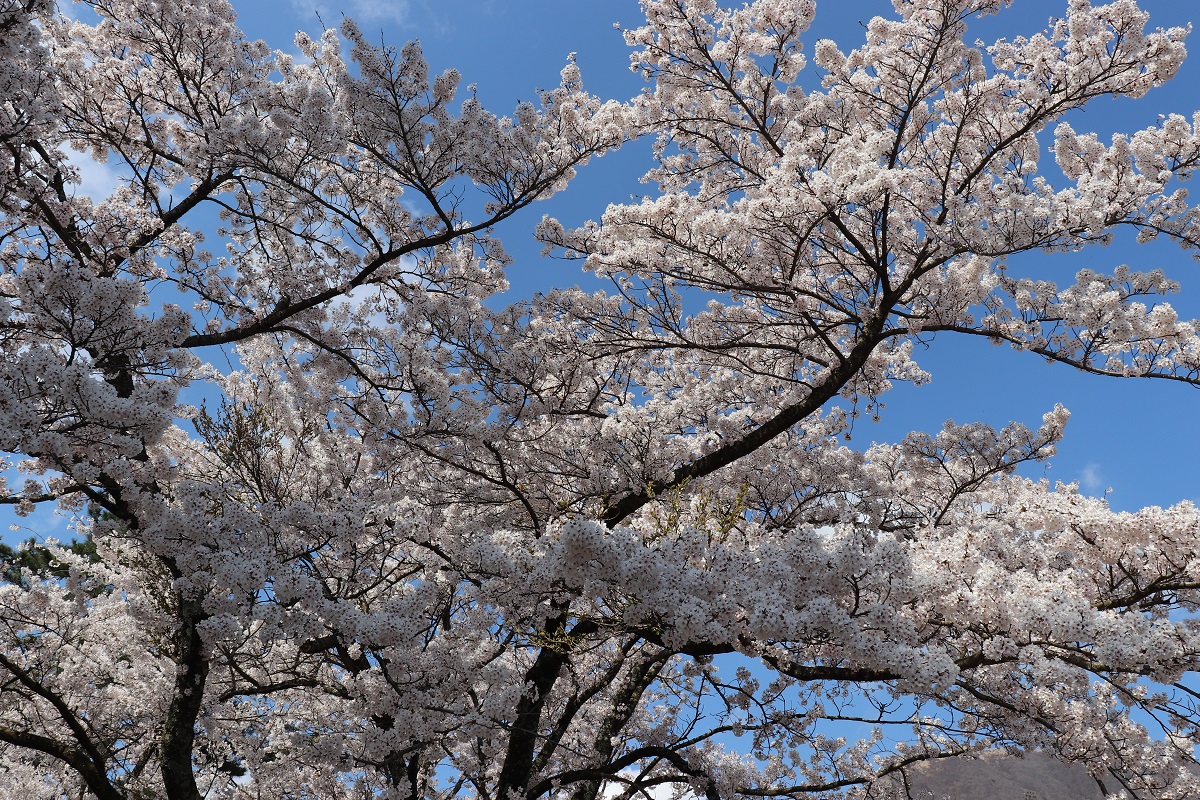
(589, 544)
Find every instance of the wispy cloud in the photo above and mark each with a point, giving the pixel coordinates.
(45, 522)
(365, 12)
(96, 180)
(1092, 479)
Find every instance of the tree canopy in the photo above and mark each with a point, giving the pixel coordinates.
(431, 542)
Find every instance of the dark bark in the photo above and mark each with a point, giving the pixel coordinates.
(179, 728)
(625, 703)
(93, 776)
(526, 724)
(756, 438)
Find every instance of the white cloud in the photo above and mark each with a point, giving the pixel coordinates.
(360, 295)
(365, 12)
(96, 180)
(395, 11)
(662, 791)
(1092, 480)
(45, 522)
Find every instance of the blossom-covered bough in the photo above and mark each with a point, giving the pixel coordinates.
(589, 544)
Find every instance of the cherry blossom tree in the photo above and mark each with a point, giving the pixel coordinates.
(431, 543)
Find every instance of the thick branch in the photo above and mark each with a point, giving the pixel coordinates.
(730, 452)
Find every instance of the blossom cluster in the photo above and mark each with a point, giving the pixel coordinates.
(421, 543)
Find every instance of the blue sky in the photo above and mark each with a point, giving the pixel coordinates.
(1139, 438)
